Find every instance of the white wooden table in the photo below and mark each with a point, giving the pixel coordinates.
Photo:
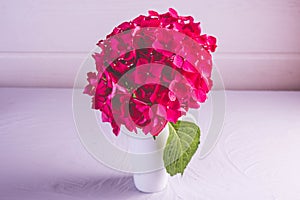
(41, 157)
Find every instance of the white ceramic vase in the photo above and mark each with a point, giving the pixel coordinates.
(157, 180)
(151, 182)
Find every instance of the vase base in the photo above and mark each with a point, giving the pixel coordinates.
(151, 182)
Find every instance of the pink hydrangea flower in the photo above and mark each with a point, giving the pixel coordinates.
(148, 99)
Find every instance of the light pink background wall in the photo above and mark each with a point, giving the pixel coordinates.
(42, 43)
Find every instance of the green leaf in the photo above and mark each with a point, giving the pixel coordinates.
(182, 143)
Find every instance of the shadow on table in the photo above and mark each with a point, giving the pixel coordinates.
(108, 188)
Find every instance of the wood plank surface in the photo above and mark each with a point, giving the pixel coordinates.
(75, 26)
(43, 41)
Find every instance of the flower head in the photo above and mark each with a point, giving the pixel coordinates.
(148, 98)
